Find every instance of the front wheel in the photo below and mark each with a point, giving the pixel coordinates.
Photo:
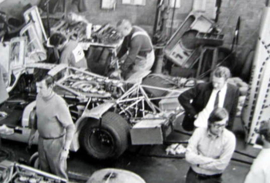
(108, 140)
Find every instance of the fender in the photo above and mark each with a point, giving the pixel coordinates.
(95, 113)
(26, 114)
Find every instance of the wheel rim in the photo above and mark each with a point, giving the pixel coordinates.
(101, 141)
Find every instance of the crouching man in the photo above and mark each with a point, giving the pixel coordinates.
(210, 149)
(55, 127)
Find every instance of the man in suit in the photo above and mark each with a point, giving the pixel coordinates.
(200, 100)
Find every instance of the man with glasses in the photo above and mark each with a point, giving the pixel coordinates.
(210, 149)
(259, 171)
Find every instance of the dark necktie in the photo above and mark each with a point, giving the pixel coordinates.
(217, 99)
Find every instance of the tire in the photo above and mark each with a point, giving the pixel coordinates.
(108, 141)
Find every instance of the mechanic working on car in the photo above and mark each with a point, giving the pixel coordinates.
(210, 149)
(56, 129)
(71, 52)
(137, 47)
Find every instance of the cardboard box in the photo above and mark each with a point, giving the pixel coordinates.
(150, 131)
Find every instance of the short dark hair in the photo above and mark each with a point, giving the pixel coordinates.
(124, 22)
(218, 114)
(265, 130)
(57, 39)
(49, 80)
(222, 72)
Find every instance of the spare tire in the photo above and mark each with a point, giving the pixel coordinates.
(108, 140)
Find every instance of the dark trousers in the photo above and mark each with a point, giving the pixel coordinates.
(193, 177)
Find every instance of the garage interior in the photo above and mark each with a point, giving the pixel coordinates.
(190, 38)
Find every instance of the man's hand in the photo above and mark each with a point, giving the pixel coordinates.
(116, 74)
(64, 154)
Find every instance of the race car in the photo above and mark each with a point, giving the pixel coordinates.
(109, 114)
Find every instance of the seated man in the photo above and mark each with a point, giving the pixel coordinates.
(71, 52)
(138, 48)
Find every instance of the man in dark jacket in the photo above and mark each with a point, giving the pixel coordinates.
(199, 101)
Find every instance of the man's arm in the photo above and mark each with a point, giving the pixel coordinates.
(123, 49)
(65, 119)
(234, 109)
(222, 162)
(185, 100)
(135, 47)
(193, 156)
(70, 130)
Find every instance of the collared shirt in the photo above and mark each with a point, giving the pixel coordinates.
(202, 119)
(260, 169)
(211, 153)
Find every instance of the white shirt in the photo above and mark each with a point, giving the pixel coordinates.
(260, 169)
(202, 119)
(211, 153)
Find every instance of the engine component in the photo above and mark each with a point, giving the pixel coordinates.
(17, 173)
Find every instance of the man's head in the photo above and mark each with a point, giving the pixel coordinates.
(220, 76)
(217, 121)
(45, 86)
(124, 27)
(264, 133)
(58, 41)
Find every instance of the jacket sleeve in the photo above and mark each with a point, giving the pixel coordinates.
(185, 100)
(233, 111)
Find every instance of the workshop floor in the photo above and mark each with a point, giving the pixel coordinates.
(150, 162)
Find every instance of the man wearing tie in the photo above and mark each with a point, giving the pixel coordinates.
(200, 101)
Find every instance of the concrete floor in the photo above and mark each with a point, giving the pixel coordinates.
(150, 162)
